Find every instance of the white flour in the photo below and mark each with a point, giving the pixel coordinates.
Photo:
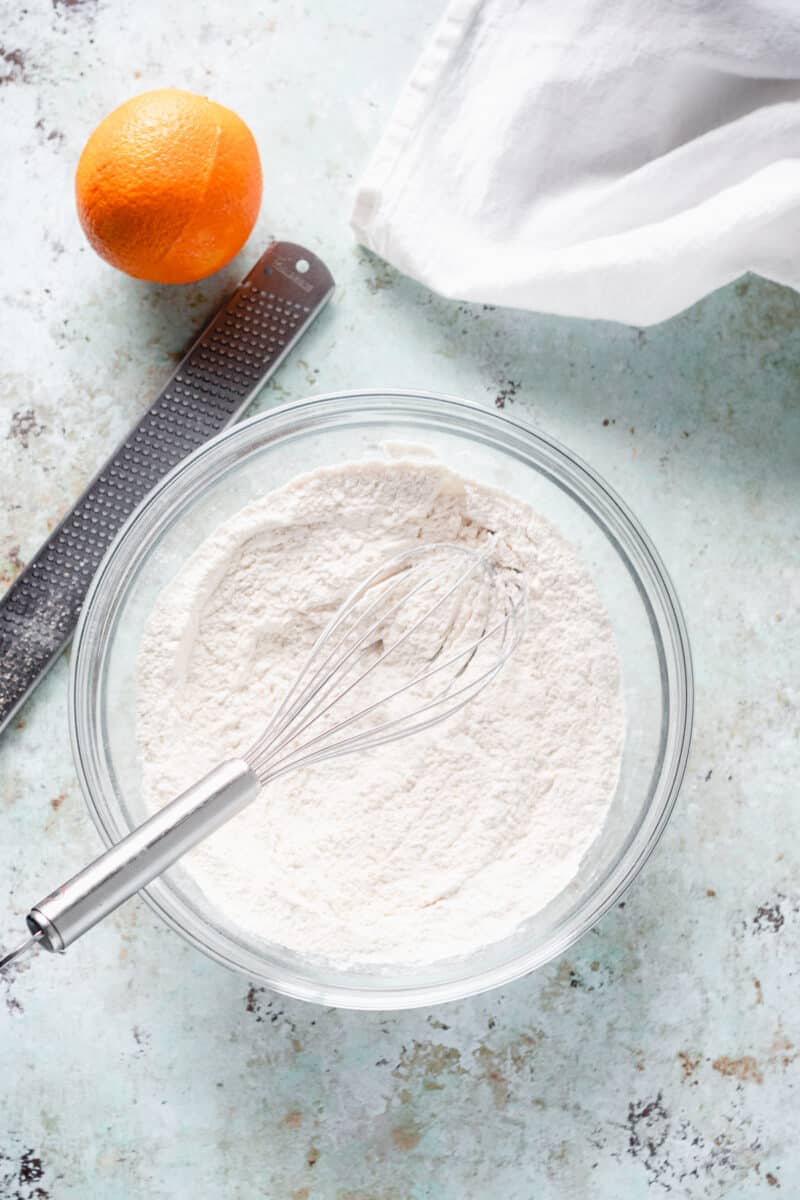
(423, 849)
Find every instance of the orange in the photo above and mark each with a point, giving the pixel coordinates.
(169, 186)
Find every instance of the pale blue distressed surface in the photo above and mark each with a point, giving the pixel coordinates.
(662, 1054)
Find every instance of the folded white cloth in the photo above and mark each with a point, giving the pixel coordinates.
(595, 158)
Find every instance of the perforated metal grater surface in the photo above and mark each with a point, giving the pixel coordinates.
(232, 359)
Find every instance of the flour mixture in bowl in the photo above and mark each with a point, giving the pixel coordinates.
(423, 849)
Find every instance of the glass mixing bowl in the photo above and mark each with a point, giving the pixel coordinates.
(264, 453)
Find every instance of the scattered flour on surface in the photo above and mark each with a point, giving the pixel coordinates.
(427, 848)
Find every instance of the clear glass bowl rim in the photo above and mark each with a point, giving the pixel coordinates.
(445, 412)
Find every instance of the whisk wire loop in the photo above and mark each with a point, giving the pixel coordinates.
(319, 694)
(480, 593)
(290, 707)
(446, 694)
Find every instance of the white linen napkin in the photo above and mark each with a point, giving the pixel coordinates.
(594, 158)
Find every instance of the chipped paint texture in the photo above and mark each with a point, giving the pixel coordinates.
(662, 1054)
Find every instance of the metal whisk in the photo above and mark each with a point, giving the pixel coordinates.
(413, 644)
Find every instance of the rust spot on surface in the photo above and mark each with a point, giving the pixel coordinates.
(493, 1075)
(552, 994)
(297, 1045)
(142, 1039)
(301, 1194)
(24, 426)
(710, 892)
(648, 1127)
(57, 801)
(435, 1023)
(769, 917)
(428, 1058)
(744, 1068)
(497, 1066)
(688, 1065)
(14, 71)
(507, 392)
(771, 1180)
(293, 1119)
(31, 1172)
(406, 1137)
(8, 575)
(780, 1048)
(759, 992)
(312, 1158)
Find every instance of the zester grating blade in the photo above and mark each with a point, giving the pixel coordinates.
(231, 360)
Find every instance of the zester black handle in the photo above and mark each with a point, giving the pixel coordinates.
(226, 366)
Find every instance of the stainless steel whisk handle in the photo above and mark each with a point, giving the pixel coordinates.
(143, 854)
